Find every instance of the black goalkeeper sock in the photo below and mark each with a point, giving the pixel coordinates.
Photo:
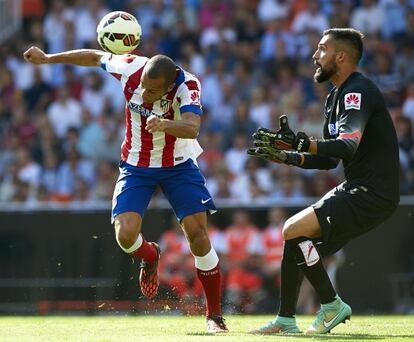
(291, 280)
(309, 261)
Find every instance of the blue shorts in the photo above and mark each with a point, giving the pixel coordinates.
(183, 185)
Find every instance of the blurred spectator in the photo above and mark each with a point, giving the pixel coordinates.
(275, 31)
(65, 112)
(254, 177)
(340, 13)
(107, 147)
(241, 123)
(210, 9)
(408, 105)
(49, 177)
(192, 58)
(72, 82)
(268, 10)
(386, 77)
(369, 18)
(289, 185)
(236, 156)
(310, 19)
(211, 142)
(179, 12)
(38, 95)
(211, 85)
(71, 141)
(241, 260)
(87, 18)
(71, 171)
(93, 97)
(272, 240)
(148, 13)
(395, 20)
(24, 73)
(9, 183)
(29, 171)
(404, 130)
(311, 123)
(8, 95)
(106, 175)
(220, 183)
(21, 126)
(220, 31)
(259, 107)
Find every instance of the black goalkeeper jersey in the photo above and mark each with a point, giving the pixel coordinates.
(358, 130)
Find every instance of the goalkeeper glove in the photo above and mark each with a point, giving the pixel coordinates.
(275, 155)
(283, 139)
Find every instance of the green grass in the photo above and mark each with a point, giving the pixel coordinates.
(183, 329)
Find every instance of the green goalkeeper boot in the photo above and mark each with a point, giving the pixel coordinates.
(329, 316)
(284, 325)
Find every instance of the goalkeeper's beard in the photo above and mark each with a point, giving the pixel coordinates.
(323, 74)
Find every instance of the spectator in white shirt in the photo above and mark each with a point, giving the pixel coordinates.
(310, 19)
(368, 18)
(64, 113)
(236, 156)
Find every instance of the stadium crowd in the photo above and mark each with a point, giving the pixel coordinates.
(61, 126)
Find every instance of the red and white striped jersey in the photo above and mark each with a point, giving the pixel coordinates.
(140, 147)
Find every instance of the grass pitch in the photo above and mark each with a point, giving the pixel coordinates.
(183, 329)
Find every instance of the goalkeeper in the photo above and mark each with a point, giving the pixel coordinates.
(357, 130)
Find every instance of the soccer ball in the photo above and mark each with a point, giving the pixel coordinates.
(119, 32)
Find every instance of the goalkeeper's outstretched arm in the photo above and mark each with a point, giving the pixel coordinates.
(315, 161)
(81, 57)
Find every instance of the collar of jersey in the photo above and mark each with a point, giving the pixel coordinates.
(180, 77)
(350, 77)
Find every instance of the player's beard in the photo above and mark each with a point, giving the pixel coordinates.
(323, 74)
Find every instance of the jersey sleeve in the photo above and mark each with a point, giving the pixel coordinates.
(354, 112)
(315, 161)
(189, 94)
(116, 64)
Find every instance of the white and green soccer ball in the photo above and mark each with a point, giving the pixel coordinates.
(119, 32)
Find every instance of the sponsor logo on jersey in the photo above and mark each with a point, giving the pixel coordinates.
(195, 98)
(138, 109)
(333, 128)
(353, 101)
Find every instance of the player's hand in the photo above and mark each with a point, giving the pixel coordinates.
(35, 55)
(275, 155)
(155, 124)
(283, 138)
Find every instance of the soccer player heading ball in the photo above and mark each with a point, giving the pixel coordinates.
(358, 130)
(162, 122)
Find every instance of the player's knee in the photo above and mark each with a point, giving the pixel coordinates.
(195, 231)
(288, 230)
(126, 233)
(197, 236)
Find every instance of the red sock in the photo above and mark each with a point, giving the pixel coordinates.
(146, 251)
(211, 281)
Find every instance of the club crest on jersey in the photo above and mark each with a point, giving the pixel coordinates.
(352, 101)
(165, 105)
(333, 128)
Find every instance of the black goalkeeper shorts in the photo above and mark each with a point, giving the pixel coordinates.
(346, 212)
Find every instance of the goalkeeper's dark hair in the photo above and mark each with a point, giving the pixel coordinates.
(161, 66)
(350, 37)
